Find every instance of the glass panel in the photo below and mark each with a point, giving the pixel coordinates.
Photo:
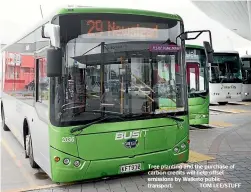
(116, 72)
(129, 87)
(202, 79)
(192, 80)
(43, 82)
(226, 68)
(196, 63)
(246, 70)
(246, 62)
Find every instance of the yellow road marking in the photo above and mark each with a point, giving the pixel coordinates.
(246, 103)
(17, 162)
(220, 124)
(239, 111)
(197, 157)
(242, 103)
(230, 110)
(8, 149)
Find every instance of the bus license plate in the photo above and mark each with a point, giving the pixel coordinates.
(130, 168)
(228, 97)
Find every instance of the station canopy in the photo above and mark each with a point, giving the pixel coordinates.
(234, 15)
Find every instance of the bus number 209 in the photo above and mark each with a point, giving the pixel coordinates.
(67, 139)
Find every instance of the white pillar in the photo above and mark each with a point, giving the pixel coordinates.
(249, 15)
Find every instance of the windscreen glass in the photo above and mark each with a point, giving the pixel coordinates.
(246, 70)
(226, 68)
(127, 66)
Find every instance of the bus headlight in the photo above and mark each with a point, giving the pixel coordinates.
(176, 149)
(66, 161)
(183, 146)
(76, 163)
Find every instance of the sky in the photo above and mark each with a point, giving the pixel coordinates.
(17, 17)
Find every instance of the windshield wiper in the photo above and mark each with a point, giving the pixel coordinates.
(97, 111)
(121, 116)
(64, 109)
(152, 114)
(95, 122)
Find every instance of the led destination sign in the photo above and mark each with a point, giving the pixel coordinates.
(121, 28)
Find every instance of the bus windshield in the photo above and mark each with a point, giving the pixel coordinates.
(110, 69)
(226, 68)
(196, 73)
(246, 70)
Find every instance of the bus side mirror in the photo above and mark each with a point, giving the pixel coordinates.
(53, 32)
(54, 62)
(209, 51)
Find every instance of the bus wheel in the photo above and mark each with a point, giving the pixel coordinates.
(223, 103)
(29, 151)
(4, 126)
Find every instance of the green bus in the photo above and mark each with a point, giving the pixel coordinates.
(198, 85)
(82, 94)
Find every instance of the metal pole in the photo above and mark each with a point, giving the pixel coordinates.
(102, 71)
(41, 11)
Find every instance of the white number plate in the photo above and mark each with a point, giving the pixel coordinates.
(130, 168)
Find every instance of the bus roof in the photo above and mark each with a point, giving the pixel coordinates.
(85, 9)
(231, 52)
(246, 56)
(194, 46)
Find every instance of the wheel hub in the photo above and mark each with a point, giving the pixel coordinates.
(27, 142)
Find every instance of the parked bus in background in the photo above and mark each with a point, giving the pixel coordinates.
(70, 107)
(246, 74)
(198, 85)
(225, 83)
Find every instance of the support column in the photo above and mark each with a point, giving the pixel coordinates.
(249, 16)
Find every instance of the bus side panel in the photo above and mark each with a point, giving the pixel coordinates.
(38, 129)
(12, 118)
(40, 136)
(16, 111)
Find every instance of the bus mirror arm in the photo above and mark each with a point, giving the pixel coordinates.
(184, 35)
(54, 62)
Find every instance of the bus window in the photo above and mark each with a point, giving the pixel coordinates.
(43, 82)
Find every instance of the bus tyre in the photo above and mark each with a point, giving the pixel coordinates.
(223, 103)
(4, 126)
(29, 151)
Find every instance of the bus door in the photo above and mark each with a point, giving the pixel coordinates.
(193, 76)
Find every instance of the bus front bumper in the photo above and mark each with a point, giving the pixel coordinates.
(111, 167)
